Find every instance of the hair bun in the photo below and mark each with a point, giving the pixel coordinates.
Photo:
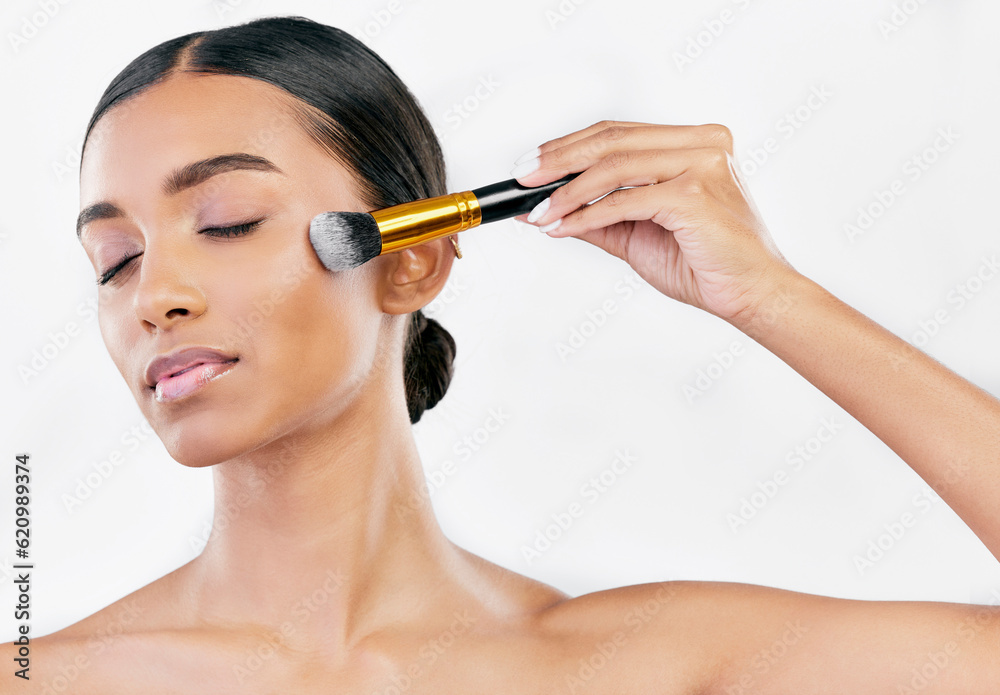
(427, 363)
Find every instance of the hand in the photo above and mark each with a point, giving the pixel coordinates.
(689, 228)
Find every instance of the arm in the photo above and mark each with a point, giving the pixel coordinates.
(944, 427)
(695, 235)
(688, 226)
(780, 642)
(729, 638)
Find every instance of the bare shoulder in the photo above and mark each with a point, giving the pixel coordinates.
(147, 607)
(46, 664)
(147, 662)
(640, 638)
(89, 654)
(729, 637)
(132, 645)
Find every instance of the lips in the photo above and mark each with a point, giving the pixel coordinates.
(180, 372)
(188, 381)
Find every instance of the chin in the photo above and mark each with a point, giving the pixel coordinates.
(204, 438)
(199, 449)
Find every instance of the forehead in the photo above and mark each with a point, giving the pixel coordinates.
(190, 117)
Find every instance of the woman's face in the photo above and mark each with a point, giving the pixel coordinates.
(304, 339)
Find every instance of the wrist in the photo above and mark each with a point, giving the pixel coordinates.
(781, 292)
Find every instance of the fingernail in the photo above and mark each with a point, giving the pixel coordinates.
(528, 155)
(525, 168)
(552, 225)
(538, 210)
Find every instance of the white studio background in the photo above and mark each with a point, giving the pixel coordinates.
(837, 109)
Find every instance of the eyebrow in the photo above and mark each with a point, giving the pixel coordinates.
(181, 179)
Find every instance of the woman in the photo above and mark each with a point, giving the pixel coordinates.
(204, 162)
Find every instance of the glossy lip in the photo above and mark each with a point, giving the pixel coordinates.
(179, 360)
(187, 382)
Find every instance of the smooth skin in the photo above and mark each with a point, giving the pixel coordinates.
(320, 576)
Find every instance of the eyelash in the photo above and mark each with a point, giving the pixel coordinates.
(219, 232)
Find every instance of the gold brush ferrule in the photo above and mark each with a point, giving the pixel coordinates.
(410, 224)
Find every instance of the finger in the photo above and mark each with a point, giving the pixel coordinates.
(618, 206)
(708, 130)
(579, 153)
(525, 161)
(658, 202)
(624, 241)
(556, 143)
(627, 168)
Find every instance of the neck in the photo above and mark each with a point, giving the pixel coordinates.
(320, 529)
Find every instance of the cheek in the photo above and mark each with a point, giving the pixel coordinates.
(120, 339)
(309, 336)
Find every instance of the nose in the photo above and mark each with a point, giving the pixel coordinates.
(168, 292)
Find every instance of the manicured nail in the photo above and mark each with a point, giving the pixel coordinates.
(538, 210)
(552, 225)
(528, 155)
(525, 168)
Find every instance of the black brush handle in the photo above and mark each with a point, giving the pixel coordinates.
(500, 201)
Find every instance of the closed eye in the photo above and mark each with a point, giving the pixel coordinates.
(227, 232)
(217, 232)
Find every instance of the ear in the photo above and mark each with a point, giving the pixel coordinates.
(414, 276)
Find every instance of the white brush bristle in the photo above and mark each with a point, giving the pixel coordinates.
(345, 240)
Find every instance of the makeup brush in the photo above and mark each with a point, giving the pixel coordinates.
(345, 240)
